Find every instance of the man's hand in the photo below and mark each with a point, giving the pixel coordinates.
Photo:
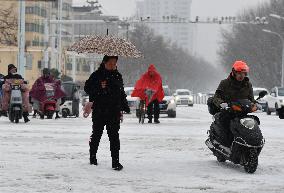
(104, 84)
(127, 110)
(224, 105)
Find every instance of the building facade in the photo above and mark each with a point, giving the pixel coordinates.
(37, 36)
(169, 18)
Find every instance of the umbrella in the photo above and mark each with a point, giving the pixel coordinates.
(106, 45)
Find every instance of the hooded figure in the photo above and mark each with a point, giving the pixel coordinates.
(106, 93)
(151, 80)
(38, 92)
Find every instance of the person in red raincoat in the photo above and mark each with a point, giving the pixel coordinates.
(150, 81)
(38, 90)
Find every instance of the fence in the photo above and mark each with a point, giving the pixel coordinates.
(197, 99)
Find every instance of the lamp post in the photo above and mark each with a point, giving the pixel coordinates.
(282, 41)
(21, 39)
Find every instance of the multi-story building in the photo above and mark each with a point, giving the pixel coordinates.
(103, 25)
(36, 14)
(169, 18)
(37, 26)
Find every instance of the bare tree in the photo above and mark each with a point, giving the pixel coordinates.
(8, 26)
(178, 68)
(260, 50)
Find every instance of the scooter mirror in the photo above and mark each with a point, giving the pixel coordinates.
(262, 94)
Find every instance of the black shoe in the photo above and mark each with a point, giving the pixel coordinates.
(25, 115)
(150, 121)
(57, 116)
(93, 160)
(117, 166)
(156, 121)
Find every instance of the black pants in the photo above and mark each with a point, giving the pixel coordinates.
(112, 124)
(154, 105)
(227, 136)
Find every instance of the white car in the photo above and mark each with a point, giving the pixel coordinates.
(261, 101)
(168, 105)
(275, 100)
(183, 97)
(132, 101)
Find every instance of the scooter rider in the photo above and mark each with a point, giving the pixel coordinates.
(12, 74)
(237, 86)
(38, 88)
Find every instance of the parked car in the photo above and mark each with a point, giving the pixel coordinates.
(275, 100)
(84, 98)
(183, 97)
(132, 101)
(167, 106)
(261, 101)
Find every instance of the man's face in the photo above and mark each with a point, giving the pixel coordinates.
(240, 76)
(111, 64)
(13, 71)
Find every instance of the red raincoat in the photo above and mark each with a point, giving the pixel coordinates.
(149, 82)
(38, 89)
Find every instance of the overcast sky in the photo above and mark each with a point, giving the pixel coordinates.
(124, 8)
(207, 44)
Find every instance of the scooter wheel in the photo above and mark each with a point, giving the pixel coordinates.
(64, 114)
(252, 162)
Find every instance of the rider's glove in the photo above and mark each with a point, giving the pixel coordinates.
(224, 105)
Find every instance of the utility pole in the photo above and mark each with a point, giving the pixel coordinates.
(46, 39)
(73, 56)
(21, 38)
(59, 39)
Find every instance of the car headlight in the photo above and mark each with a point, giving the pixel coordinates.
(248, 123)
(190, 98)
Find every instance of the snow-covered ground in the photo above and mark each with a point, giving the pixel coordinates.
(52, 156)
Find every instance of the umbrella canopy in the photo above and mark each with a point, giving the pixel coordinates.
(106, 45)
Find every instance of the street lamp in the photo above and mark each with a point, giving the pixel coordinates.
(282, 40)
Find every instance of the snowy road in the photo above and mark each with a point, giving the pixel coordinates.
(52, 156)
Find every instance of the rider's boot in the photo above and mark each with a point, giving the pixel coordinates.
(25, 115)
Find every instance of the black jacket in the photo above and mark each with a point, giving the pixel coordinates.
(111, 99)
(230, 89)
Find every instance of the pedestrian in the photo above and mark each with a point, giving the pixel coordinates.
(106, 92)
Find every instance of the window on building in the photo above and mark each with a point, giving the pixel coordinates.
(69, 66)
(78, 67)
(86, 68)
(29, 61)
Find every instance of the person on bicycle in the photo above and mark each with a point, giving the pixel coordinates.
(149, 88)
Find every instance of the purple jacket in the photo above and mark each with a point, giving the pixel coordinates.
(38, 89)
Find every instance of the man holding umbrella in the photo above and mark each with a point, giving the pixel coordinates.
(106, 92)
(105, 89)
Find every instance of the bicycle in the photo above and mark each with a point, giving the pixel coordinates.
(142, 111)
(143, 107)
